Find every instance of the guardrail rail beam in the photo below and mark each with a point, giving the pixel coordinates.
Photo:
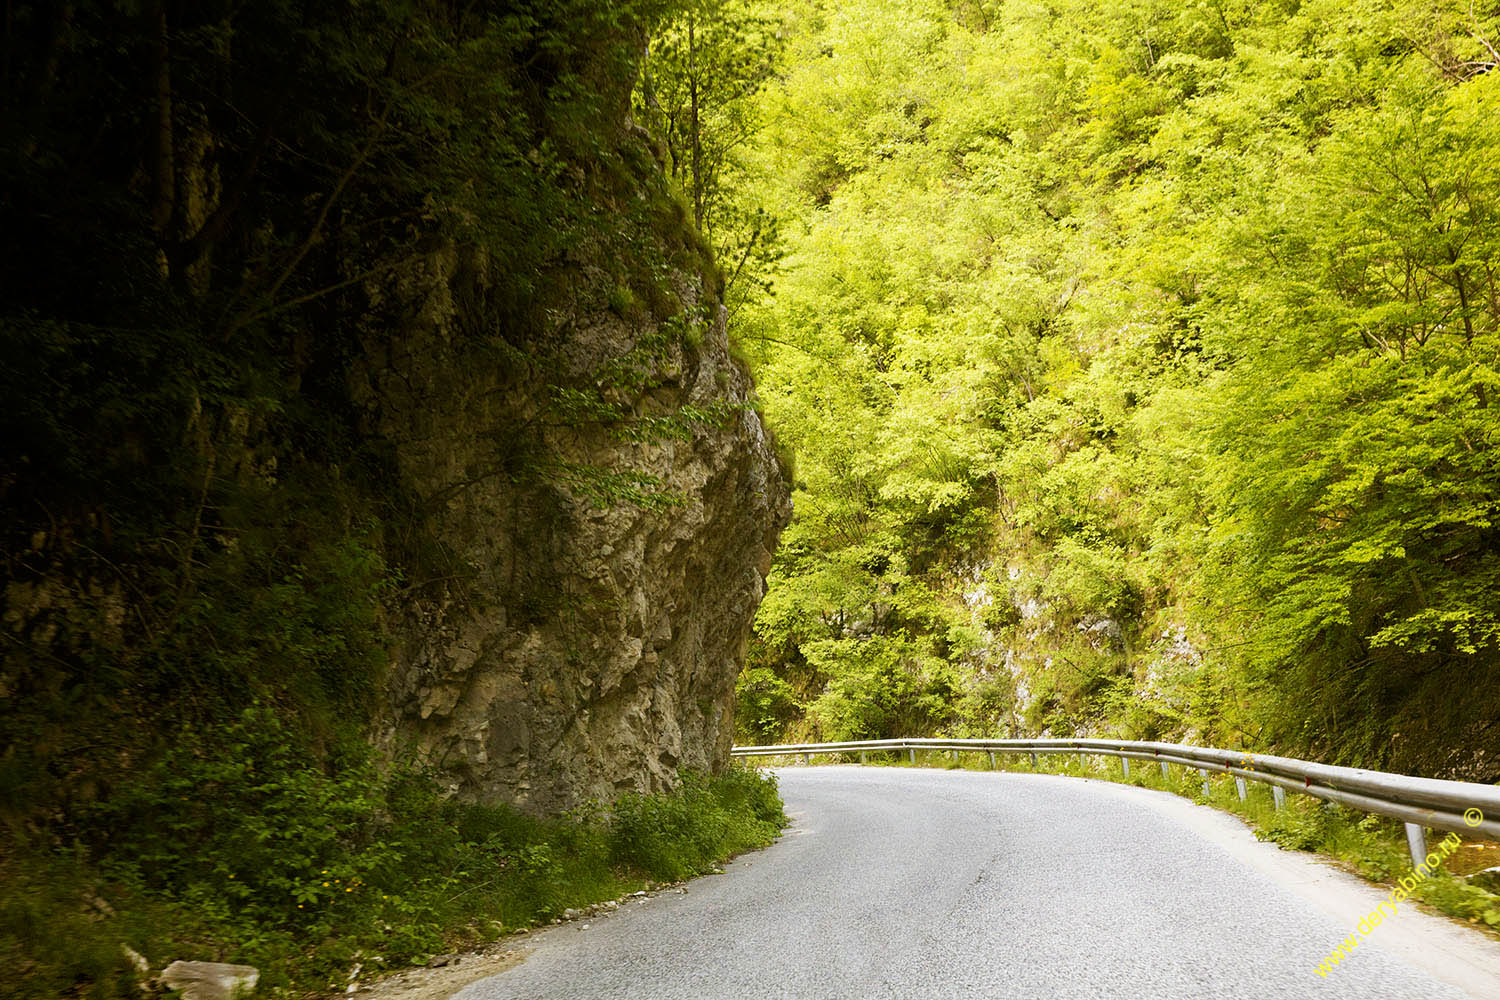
(1463, 807)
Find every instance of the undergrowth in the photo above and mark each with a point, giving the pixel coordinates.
(235, 848)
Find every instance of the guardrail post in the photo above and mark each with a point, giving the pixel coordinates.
(1125, 765)
(1166, 775)
(913, 753)
(863, 757)
(1239, 786)
(1203, 773)
(953, 755)
(992, 760)
(806, 759)
(1279, 795)
(1416, 843)
(1034, 764)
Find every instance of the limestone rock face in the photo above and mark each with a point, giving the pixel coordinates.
(570, 649)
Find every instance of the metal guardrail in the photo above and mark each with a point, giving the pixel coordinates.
(1420, 803)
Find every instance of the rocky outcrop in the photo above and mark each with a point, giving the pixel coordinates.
(399, 393)
(577, 647)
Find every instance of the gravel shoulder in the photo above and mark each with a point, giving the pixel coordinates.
(444, 981)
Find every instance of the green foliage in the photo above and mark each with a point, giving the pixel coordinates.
(703, 70)
(51, 899)
(880, 688)
(235, 841)
(1140, 364)
(1302, 826)
(1462, 899)
(242, 815)
(764, 705)
(674, 837)
(274, 599)
(1374, 847)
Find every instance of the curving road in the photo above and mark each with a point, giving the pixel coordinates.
(902, 883)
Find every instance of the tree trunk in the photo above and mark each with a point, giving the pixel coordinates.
(694, 125)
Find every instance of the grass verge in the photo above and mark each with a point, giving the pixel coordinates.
(306, 871)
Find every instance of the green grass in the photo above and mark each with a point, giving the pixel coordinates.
(1374, 847)
(334, 876)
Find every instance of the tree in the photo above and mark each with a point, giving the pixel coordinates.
(703, 71)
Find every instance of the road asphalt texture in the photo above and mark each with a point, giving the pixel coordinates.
(922, 883)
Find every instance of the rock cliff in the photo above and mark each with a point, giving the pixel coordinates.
(578, 647)
(411, 414)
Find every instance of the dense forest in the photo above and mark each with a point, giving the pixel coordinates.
(1139, 363)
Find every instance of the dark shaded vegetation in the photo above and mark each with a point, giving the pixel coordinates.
(213, 213)
(235, 846)
(206, 206)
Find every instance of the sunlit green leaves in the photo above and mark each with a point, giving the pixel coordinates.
(1172, 318)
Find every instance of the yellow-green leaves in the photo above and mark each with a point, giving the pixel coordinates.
(1099, 323)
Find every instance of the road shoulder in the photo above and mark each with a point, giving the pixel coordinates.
(1454, 953)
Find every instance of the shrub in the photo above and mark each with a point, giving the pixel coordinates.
(238, 843)
(675, 836)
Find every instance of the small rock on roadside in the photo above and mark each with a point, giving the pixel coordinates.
(210, 980)
(438, 961)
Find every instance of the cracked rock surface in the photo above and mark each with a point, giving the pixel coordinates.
(569, 651)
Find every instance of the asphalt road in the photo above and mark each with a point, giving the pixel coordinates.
(898, 883)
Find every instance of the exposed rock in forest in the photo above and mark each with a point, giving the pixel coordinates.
(579, 649)
(410, 416)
